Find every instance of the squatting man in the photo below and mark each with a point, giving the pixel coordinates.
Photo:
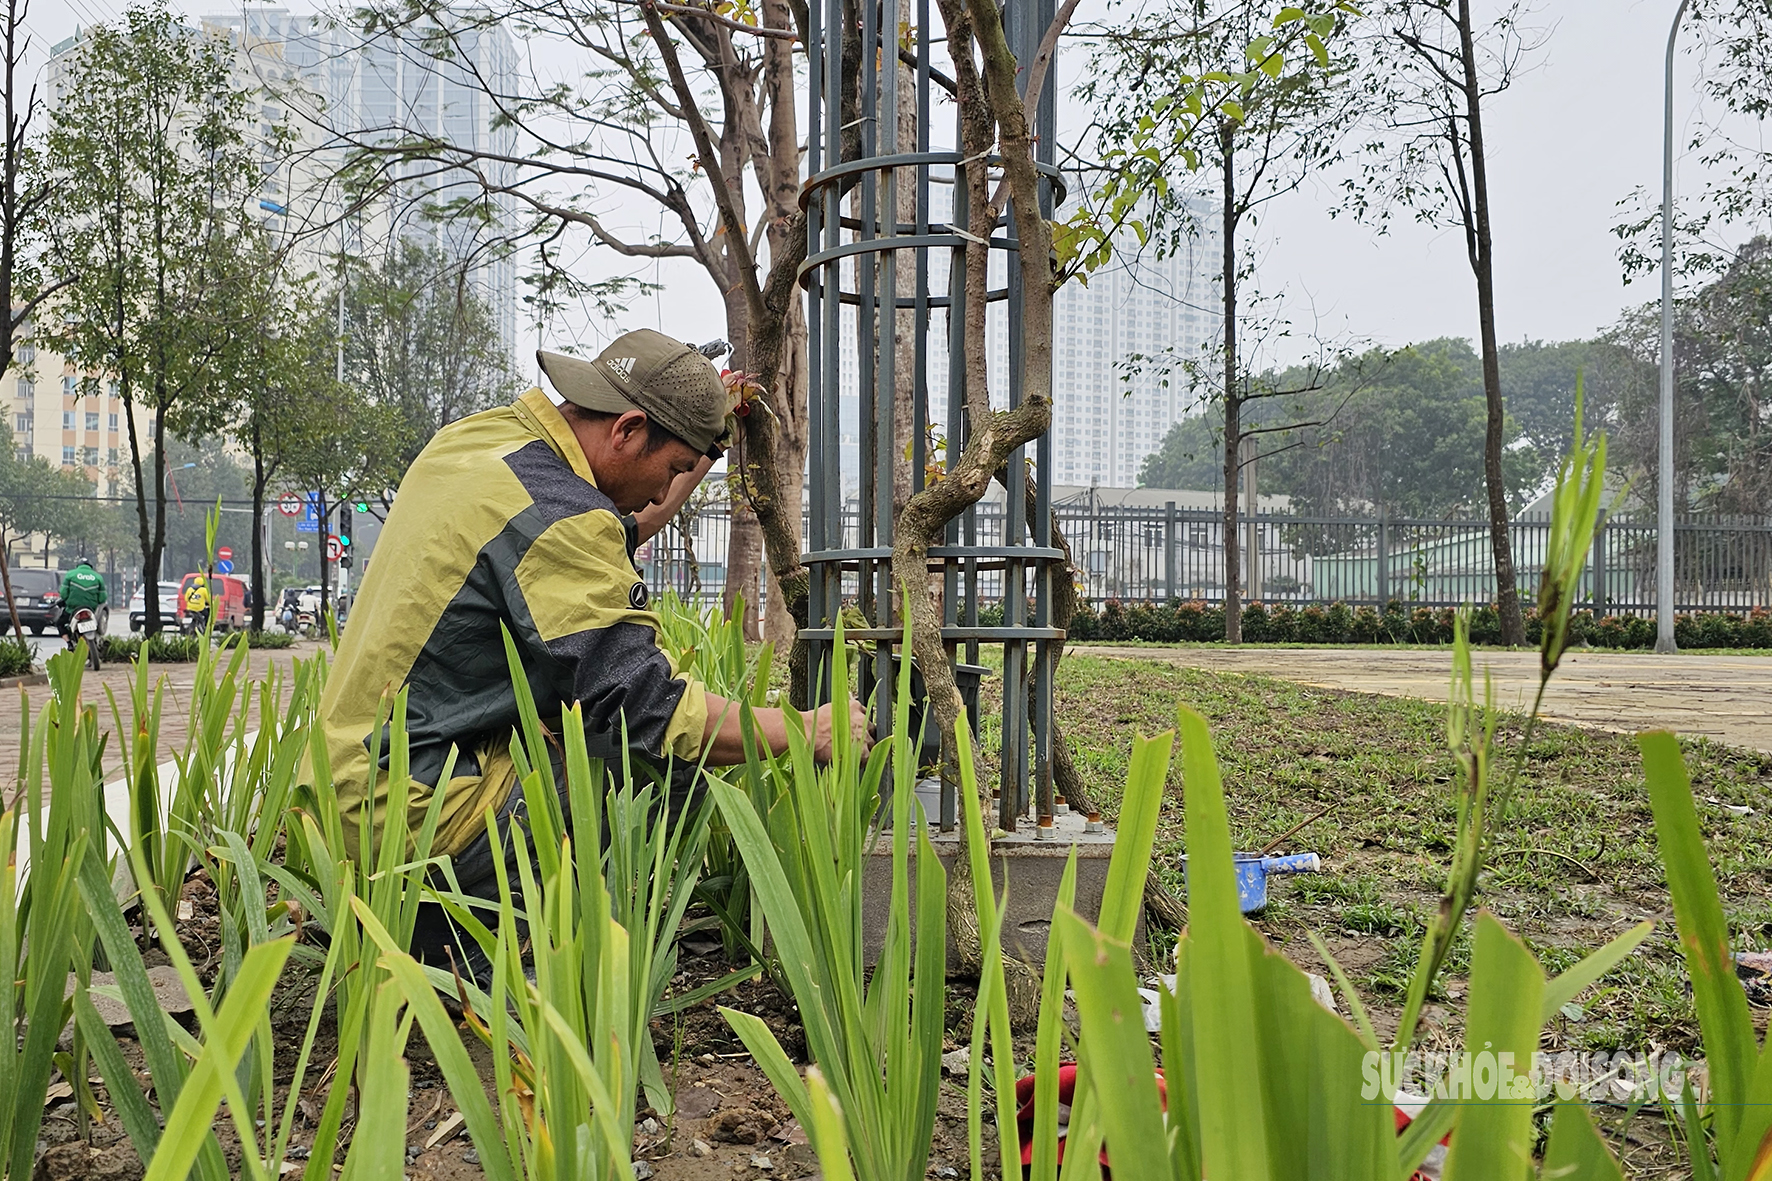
(526, 517)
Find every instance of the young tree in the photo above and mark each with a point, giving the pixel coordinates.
(1282, 125)
(152, 173)
(280, 391)
(24, 191)
(420, 339)
(1431, 68)
(692, 110)
(351, 451)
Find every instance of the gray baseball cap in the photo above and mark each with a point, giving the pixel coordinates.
(670, 381)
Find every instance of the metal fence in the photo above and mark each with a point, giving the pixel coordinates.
(1159, 554)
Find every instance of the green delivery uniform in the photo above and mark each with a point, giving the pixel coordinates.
(83, 587)
(499, 524)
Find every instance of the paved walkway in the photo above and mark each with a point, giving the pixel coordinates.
(175, 715)
(1723, 697)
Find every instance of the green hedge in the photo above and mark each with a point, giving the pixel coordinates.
(173, 648)
(1338, 623)
(164, 648)
(15, 657)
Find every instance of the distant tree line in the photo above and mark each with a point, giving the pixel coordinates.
(1404, 430)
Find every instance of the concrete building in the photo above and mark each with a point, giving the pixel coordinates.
(71, 417)
(1109, 410)
(336, 81)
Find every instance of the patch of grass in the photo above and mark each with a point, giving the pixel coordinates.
(1374, 918)
(1579, 864)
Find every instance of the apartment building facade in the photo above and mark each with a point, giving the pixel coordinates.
(1123, 344)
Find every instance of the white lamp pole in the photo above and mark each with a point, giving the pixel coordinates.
(1664, 508)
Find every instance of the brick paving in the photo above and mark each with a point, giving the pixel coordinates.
(175, 714)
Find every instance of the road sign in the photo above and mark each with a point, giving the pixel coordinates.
(333, 548)
(224, 566)
(310, 518)
(290, 505)
(224, 554)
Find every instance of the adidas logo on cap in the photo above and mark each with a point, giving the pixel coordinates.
(622, 365)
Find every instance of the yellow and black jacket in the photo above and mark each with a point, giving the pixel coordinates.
(499, 522)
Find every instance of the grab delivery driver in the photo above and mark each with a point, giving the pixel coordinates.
(526, 518)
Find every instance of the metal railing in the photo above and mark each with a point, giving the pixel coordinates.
(1138, 554)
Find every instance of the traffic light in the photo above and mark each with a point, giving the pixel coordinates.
(344, 526)
(362, 506)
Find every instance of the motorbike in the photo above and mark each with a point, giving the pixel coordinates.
(296, 621)
(83, 625)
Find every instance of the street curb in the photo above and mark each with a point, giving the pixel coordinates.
(29, 679)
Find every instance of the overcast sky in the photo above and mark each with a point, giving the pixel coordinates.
(1575, 135)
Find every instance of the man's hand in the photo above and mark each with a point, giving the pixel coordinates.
(861, 731)
(724, 739)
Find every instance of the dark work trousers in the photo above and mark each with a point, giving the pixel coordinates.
(435, 939)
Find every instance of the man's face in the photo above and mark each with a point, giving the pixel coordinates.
(633, 476)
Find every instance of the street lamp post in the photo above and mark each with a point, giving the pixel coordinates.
(1664, 507)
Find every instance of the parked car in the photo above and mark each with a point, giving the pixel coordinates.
(231, 602)
(138, 606)
(37, 596)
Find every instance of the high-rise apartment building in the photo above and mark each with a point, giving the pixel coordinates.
(342, 82)
(1121, 345)
(71, 417)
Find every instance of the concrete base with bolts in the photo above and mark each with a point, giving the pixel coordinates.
(1034, 866)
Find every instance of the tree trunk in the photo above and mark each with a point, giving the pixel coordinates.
(259, 589)
(1507, 595)
(325, 572)
(18, 628)
(744, 563)
(901, 203)
(1233, 402)
(155, 546)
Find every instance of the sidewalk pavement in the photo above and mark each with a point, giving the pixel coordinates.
(1728, 698)
(175, 715)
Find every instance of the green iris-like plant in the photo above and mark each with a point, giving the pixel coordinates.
(876, 1042)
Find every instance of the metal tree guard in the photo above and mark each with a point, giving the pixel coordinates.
(853, 270)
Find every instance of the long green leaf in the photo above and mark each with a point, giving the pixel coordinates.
(1568, 985)
(825, 1128)
(1233, 1122)
(792, 941)
(1729, 1044)
(1576, 1152)
(445, 1044)
(188, 1124)
(1427, 1129)
(1122, 900)
(773, 1061)
(1048, 1037)
(1119, 1058)
(378, 1153)
(1493, 1138)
